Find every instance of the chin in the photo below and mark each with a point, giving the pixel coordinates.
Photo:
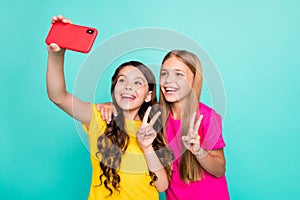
(125, 107)
(170, 99)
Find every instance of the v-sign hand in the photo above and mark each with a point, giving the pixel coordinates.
(146, 133)
(192, 140)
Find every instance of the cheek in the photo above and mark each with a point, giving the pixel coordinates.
(143, 91)
(186, 85)
(162, 79)
(116, 91)
(190, 79)
(137, 88)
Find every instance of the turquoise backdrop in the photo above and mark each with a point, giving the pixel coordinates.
(254, 44)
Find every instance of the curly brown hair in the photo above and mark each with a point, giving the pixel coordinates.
(114, 142)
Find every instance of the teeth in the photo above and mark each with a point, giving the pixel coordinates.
(171, 89)
(127, 96)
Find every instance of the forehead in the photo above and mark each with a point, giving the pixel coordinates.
(174, 63)
(131, 72)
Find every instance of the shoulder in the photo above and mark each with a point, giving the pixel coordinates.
(211, 128)
(96, 116)
(96, 121)
(204, 109)
(208, 112)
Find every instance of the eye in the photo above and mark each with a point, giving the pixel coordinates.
(121, 80)
(179, 74)
(163, 74)
(138, 83)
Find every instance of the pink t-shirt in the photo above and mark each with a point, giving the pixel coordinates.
(209, 187)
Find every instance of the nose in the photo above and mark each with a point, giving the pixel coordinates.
(128, 87)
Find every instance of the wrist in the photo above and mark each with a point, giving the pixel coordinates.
(201, 154)
(56, 54)
(148, 149)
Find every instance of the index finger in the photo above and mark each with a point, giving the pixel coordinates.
(191, 127)
(145, 118)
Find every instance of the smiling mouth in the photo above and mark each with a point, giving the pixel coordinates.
(128, 97)
(170, 90)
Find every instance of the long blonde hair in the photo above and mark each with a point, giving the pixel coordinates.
(190, 169)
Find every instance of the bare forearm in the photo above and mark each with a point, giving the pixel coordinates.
(156, 167)
(55, 79)
(212, 162)
(57, 92)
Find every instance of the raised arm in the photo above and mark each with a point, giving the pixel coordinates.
(56, 86)
(212, 161)
(145, 137)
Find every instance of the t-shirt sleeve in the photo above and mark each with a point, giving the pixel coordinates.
(211, 131)
(96, 122)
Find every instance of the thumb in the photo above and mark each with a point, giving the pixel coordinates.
(54, 47)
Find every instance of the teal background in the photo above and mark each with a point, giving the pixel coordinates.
(254, 44)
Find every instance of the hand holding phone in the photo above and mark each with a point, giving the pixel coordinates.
(71, 36)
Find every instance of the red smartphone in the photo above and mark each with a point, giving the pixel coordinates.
(71, 36)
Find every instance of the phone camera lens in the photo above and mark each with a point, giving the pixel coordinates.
(89, 31)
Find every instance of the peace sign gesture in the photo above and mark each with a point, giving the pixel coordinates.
(192, 140)
(146, 133)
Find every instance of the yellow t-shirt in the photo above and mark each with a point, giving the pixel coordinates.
(134, 174)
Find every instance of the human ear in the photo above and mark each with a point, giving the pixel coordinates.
(148, 97)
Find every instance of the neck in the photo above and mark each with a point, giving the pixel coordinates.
(177, 109)
(132, 115)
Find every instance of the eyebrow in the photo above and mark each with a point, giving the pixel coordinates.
(138, 77)
(177, 70)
